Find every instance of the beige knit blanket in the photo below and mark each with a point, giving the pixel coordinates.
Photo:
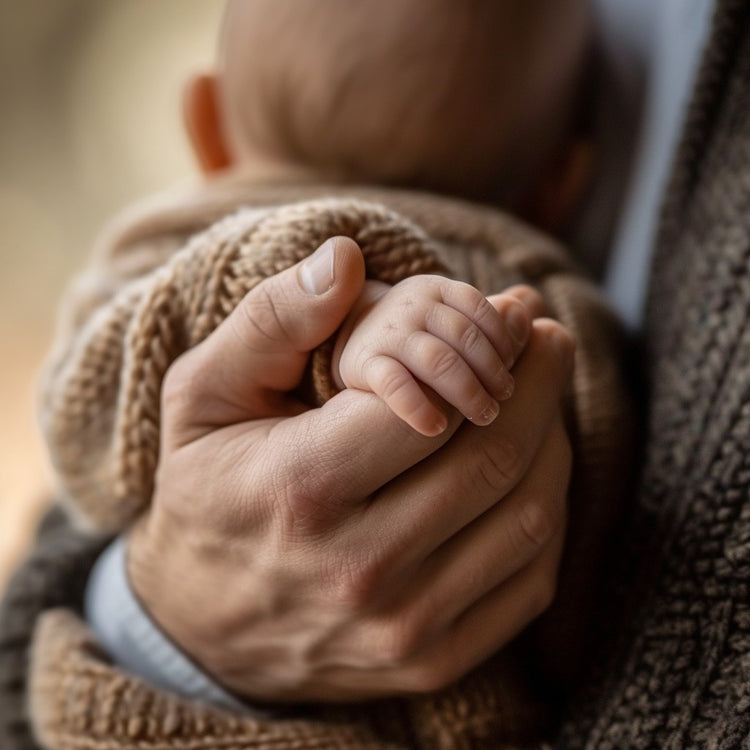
(160, 284)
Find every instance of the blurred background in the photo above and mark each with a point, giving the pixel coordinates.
(89, 121)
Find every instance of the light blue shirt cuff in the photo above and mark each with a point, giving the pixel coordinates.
(136, 643)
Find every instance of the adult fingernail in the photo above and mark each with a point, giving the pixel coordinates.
(316, 273)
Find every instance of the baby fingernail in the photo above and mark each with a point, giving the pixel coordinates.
(489, 414)
(507, 387)
(439, 426)
(316, 273)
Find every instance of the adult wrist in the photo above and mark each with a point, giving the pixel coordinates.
(135, 642)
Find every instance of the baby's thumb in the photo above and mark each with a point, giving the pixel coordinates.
(262, 348)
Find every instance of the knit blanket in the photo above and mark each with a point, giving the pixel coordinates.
(164, 280)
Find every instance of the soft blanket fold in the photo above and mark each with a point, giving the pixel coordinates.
(160, 285)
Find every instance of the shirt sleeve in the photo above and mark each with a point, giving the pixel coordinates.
(134, 641)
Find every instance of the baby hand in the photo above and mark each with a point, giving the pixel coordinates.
(443, 333)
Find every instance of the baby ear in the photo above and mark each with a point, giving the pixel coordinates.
(200, 112)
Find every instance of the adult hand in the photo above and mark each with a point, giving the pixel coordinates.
(335, 553)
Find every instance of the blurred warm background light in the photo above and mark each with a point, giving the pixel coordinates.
(89, 121)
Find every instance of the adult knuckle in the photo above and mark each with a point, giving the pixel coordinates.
(481, 575)
(398, 642)
(537, 523)
(301, 500)
(307, 508)
(353, 579)
(432, 676)
(259, 314)
(301, 493)
(499, 463)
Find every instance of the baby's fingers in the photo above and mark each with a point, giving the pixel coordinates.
(390, 380)
(442, 368)
(466, 338)
(506, 322)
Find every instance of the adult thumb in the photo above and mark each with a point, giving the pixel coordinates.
(260, 351)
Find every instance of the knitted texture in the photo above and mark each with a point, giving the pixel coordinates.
(54, 575)
(107, 393)
(679, 632)
(104, 708)
(153, 294)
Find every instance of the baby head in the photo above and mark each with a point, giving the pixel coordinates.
(469, 97)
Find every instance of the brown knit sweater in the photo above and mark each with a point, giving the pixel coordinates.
(675, 667)
(675, 664)
(161, 284)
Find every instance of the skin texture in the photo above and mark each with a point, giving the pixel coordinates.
(332, 553)
(473, 98)
(442, 332)
(342, 539)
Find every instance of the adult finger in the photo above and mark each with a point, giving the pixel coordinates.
(527, 295)
(475, 594)
(334, 458)
(262, 346)
(495, 547)
(480, 465)
(489, 625)
(381, 447)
